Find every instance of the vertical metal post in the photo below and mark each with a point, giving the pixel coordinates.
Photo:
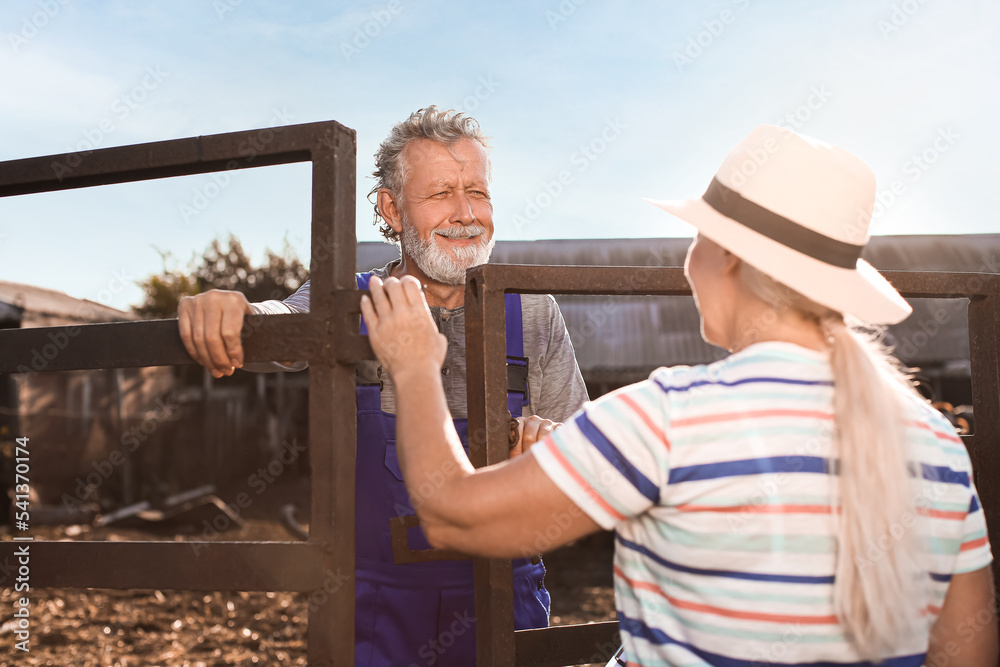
(332, 411)
(279, 408)
(486, 364)
(325, 566)
(984, 357)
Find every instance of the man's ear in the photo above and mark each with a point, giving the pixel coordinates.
(389, 209)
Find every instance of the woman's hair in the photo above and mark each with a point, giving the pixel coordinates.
(879, 587)
(446, 127)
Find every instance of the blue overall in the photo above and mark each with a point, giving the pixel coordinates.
(418, 614)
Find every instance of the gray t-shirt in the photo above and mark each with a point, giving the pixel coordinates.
(555, 386)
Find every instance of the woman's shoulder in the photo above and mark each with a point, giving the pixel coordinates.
(764, 363)
(670, 377)
(928, 420)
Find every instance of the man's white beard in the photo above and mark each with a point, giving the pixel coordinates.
(443, 265)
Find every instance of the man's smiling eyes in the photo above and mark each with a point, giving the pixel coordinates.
(477, 193)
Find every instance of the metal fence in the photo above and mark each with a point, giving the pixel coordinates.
(498, 645)
(328, 337)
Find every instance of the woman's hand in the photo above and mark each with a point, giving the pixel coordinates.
(400, 327)
(531, 430)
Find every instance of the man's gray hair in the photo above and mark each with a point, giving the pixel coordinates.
(446, 127)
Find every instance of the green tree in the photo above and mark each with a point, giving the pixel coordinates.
(223, 265)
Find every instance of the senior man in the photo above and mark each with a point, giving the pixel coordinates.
(432, 198)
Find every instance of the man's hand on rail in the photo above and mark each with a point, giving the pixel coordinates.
(210, 325)
(530, 430)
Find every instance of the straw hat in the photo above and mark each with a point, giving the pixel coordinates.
(798, 209)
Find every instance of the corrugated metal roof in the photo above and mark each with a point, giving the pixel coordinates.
(632, 335)
(635, 333)
(966, 252)
(979, 253)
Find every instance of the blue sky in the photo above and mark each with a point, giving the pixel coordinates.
(623, 99)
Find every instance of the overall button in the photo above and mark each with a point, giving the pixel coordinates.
(445, 371)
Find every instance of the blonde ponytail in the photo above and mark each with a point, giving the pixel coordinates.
(879, 586)
(877, 592)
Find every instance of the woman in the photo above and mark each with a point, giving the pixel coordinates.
(794, 503)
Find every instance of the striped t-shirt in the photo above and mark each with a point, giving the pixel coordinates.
(715, 479)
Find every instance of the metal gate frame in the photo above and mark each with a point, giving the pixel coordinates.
(498, 645)
(328, 337)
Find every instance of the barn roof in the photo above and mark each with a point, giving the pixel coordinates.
(965, 252)
(41, 306)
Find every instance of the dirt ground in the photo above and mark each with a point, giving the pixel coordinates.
(140, 628)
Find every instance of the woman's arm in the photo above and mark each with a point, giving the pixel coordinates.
(965, 634)
(511, 509)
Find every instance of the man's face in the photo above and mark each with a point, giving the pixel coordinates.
(446, 217)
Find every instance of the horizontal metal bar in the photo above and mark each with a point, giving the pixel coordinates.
(529, 279)
(941, 284)
(195, 566)
(644, 280)
(158, 343)
(567, 644)
(163, 159)
(147, 343)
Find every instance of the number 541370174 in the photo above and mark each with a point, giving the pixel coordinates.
(22, 467)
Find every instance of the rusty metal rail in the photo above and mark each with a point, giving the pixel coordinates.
(498, 645)
(327, 337)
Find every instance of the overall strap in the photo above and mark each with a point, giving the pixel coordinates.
(515, 328)
(369, 395)
(517, 364)
(363, 280)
